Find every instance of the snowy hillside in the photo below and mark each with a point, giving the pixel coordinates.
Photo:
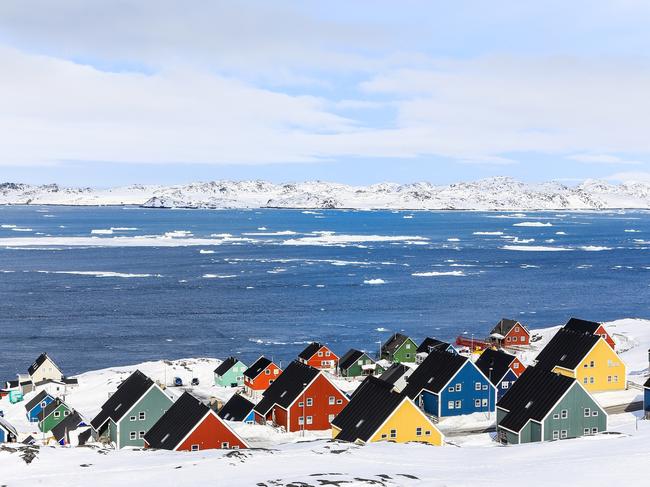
(498, 193)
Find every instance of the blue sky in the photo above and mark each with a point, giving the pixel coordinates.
(108, 93)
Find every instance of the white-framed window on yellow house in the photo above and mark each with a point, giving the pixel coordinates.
(418, 431)
(393, 434)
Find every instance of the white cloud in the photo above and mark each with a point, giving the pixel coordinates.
(601, 159)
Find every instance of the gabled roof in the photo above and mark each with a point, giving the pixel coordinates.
(504, 326)
(372, 403)
(566, 349)
(50, 408)
(532, 396)
(581, 326)
(127, 394)
(350, 358)
(176, 423)
(498, 360)
(647, 383)
(394, 373)
(69, 423)
(258, 366)
(36, 400)
(310, 350)
(38, 362)
(287, 387)
(226, 365)
(6, 425)
(434, 373)
(236, 409)
(393, 343)
(429, 344)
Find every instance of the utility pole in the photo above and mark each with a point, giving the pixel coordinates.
(490, 393)
(304, 418)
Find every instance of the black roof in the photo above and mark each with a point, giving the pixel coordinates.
(50, 408)
(434, 373)
(581, 326)
(69, 423)
(236, 409)
(37, 399)
(372, 403)
(287, 387)
(37, 363)
(310, 350)
(226, 365)
(505, 325)
(127, 394)
(393, 373)
(647, 383)
(429, 344)
(393, 343)
(258, 366)
(532, 396)
(350, 357)
(566, 349)
(176, 423)
(498, 360)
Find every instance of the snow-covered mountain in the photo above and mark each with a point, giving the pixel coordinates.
(499, 193)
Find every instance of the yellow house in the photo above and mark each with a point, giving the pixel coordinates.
(587, 358)
(378, 413)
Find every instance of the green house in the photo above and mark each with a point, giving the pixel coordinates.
(230, 373)
(356, 363)
(53, 414)
(399, 348)
(545, 406)
(128, 414)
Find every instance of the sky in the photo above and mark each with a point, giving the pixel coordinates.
(107, 93)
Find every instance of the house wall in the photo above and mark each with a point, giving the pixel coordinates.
(33, 414)
(603, 333)
(501, 413)
(646, 401)
(608, 372)
(263, 380)
(468, 376)
(319, 390)
(210, 435)
(574, 403)
(51, 421)
(3, 436)
(406, 352)
(517, 367)
(517, 336)
(154, 404)
(429, 402)
(356, 370)
(506, 383)
(234, 376)
(404, 422)
(326, 361)
(47, 370)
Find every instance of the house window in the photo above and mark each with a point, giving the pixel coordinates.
(594, 431)
(477, 403)
(556, 435)
(458, 404)
(310, 401)
(587, 412)
(592, 364)
(516, 329)
(427, 433)
(360, 362)
(586, 431)
(585, 380)
(310, 419)
(514, 339)
(43, 404)
(504, 384)
(384, 436)
(408, 355)
(408, 346)
(515, 365)
(142, 415)
(564, 414)
(556, 416)
(459, 387)
(418, 431)
(133, 435)
(320, 354)
(301, 404)
(477, 386)
(591, 380)
(132, 418)
(616, 378)
(301, 420)
(507, 339)
(594, 413)
(484, 387)
(225, 445)
(332, 400)
(194, 447)
(140, 434)
(65, 413)
(327, 354)
(393, 433)
(450, 404)
(609, 379)
(484, 402)
(563, 434)
(276, 372)
(330, 417)
(267, 372)
(339, 401)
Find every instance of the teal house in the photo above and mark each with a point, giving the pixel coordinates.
(128, 414)
(545, 406)
(230, 373)
(399, 349)
(356, 363)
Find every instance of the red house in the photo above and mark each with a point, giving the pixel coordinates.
(189, 425)
(302, 398)
(259, 376)
(319, 356)
(590, 327)
(517, 367)
(509, 333)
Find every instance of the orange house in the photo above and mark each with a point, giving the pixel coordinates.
(259, 376)
(319, 356)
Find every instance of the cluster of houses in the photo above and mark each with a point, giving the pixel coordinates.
(402, 395)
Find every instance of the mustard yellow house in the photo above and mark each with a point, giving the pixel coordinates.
(586, 357)
(377, 413)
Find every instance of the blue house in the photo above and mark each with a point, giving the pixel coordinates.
(238, 408)
(8, 433)
(37, 404)
(646, 398)
(501, 368)
(447, 384)
(429, 344)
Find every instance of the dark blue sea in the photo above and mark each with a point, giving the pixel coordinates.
(268, 281)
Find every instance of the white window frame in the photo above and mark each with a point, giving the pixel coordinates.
(556, 435)
(195, 447)
(142, 416)
(458, 404)
(133, 435)
(418, 431)
(564, 434)
(331, 400)
(310, 401)
(459, 387)
(310, 420)
(450, 404)
(564, 414)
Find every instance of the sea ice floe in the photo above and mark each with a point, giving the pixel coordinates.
(439, 273)
(594, 248)
(532, 224)
(487, 233)
(218, 276)
(374, 281)
(560, 233)
(331, 239)
(204, 251)
(101, 274)
(6, 225)
(381, 328)
(101, 231)
(453, 239)
(631, 230)
(19, 229)
(535, 248)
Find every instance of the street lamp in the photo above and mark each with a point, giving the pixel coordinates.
(489, 392)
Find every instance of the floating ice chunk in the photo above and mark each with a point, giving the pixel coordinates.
(532, 224)
(439, 273)
(535, 248)
(101, 231)
(374, 281)
(487, 233)
(594, 248)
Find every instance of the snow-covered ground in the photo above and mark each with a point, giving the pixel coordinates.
(497, 193)
(279, 459)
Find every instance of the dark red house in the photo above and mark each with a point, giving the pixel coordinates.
(590, 327)
(189, 425)
(319, 356)
(508, 333)
(302, 398)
